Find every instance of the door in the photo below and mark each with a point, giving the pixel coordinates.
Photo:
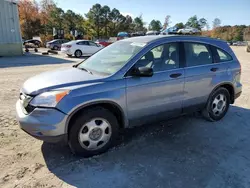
(199, 73)
(93, 46)
(84, 47)
(160, 96)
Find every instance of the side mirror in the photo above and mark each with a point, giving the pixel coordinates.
(142, 72)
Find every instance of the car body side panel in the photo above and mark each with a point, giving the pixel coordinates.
(156, 97)
(200, 82)
(112, 92)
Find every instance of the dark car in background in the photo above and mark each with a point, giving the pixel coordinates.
(56, 44)
(32, 43)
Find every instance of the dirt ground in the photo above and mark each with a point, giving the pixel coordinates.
(184, 152)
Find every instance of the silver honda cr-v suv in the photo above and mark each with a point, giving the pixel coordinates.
(131, 82)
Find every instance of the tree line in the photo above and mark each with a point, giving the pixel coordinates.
(44, 18)
(39, 19)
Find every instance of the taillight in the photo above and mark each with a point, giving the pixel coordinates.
(68, 46)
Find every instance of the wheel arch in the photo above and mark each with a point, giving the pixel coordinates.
(109, 105)
(229, 86)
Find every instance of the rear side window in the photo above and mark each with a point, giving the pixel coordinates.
(197, 54)
(223, 56)
(83, 43)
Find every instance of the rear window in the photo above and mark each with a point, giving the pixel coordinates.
(223, 56)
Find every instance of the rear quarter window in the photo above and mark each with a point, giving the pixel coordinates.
(223, 56)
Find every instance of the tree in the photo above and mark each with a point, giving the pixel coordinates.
(95, 15)
(116, 21)
(180, 25)
(195, 23)
(106, 12)
(46, 8)
(30, 21)
(155, 25)
(138, 24)
(166, 22)
(202, 23)
(216, 23)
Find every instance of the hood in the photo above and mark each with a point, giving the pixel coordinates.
(59, 78)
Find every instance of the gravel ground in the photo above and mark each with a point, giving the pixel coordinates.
(184, 152)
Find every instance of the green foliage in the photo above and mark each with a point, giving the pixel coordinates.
(180, 25)
(194, 22)
(155, 25)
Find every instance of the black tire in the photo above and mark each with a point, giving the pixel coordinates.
(55, 48)
(76, 127)
(208, 113)
(78, 53)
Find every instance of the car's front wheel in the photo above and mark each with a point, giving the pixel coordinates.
(78, 53)
(217, 105)
(93, 132)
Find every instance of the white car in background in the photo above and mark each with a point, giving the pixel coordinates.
(188, 30)
(79, 48)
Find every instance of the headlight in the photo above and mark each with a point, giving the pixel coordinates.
(49, 99)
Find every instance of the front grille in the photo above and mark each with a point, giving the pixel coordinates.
(25, 100)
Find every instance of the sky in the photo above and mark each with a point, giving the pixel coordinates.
(230, 12)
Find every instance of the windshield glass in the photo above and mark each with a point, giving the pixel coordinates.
(112, 58)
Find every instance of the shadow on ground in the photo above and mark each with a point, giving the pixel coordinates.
(184, 152)
(34, 59)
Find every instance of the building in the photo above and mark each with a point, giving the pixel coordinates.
(10, 35)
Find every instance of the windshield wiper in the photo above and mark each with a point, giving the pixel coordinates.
(85, 70)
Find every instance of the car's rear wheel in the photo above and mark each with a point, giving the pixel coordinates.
(93, 132)
(55, 48)
(78, 53)
(217, 105)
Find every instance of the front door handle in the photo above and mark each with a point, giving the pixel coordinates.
(175, 75)
(214, 69)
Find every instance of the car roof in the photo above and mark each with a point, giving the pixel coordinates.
(155, 38)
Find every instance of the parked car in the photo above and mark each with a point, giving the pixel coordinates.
(239, 43)
(131, 82)
(122, 35)
(80, 47)
(103, 42)
(56, 44)
(32, 43)
(188, 30)
(172, 30)
(153, 33)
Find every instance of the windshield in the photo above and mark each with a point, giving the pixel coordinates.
(112, 58)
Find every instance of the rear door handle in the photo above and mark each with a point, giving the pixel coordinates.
(214, 69)
(175, 75)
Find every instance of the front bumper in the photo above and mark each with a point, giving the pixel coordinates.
(45, 124)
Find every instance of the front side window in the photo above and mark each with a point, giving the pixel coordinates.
(92, 44)
(197, 54)
(161, 58)
(223, 56)
(112, 58)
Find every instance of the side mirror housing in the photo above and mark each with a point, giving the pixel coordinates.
(142, 72)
